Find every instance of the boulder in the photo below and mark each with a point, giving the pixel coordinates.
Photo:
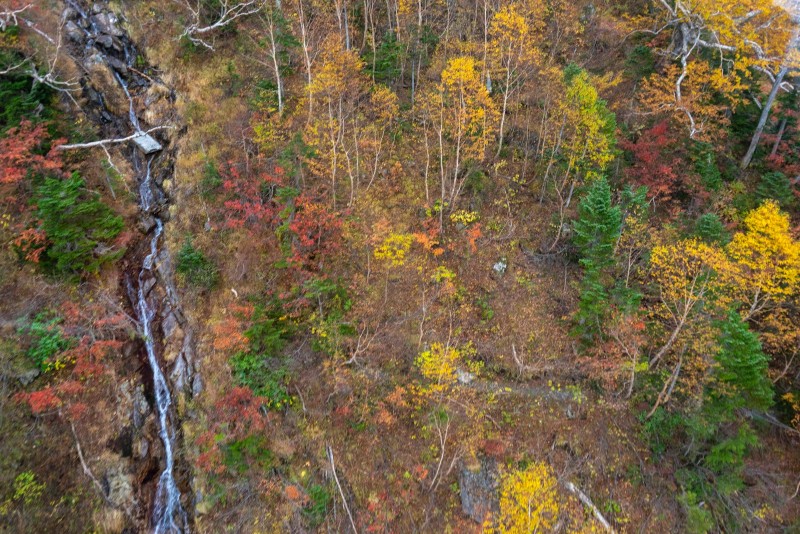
(106, 23)
(478, 487)
(141, 408)
(74, 33)
(147, 223)
(168, 325)
(501, 266)
(118, 486)
(28, 376)
(105, 83)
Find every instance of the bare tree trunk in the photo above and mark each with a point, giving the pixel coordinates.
(779, 137)
(764, 115)
(306, 57)
(275, 66)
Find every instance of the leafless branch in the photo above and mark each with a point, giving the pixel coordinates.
(104, 142)
(589, 504)
(229, 11)
(9, 17)
(341, 491)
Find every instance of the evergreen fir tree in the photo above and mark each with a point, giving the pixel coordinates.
(742, 370)
(78, 226)
(596, 231)
(775, 186)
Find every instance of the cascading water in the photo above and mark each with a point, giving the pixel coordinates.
(168, 514)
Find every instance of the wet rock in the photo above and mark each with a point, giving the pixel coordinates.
(104, 40)
(147, 223)
(142, 448)
(478, 486)
(74, 33)
(104, 82)
(148, 285)
(28, 376)
(178, 375)
(197, 385)
(69, 14)
(169, 325)
(118, 486)
(164, 213)
(123, 443)
(106, 23)
(140, 407)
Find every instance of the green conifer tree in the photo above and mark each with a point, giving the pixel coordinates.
(596, 232)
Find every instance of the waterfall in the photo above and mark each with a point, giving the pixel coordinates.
(168, 513)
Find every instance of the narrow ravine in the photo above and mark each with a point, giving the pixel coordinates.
(148, 276)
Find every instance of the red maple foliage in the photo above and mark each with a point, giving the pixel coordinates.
(99, 332)
(656, 162)
(40, 401)
(31, 243)
(318, 233)
(250, 197)
(236, 415)
(22, 152)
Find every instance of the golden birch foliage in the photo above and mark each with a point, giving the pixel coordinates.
(591, 137)
(474, 112)
(759, 30)
(384, 104)
(439, 365)
(685, 275)
(394, 249)
(766, 259)
(340, 74)
(470, 114)
(510, 41)
(528, 501)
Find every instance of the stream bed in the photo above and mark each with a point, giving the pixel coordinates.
(117, 88)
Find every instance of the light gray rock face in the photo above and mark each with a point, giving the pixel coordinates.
(147, 144)
(119, 487)
(478, 489)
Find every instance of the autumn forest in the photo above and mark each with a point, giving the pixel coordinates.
(399, 266)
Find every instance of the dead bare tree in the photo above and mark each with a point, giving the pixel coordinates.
(727, 34)
(104, 142)
(228, 11)
(48, 74)
(10, 16)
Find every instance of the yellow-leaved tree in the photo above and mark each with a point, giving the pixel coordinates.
(528, 501)
(461, 116)
(456, 416)
(512, 55)
(715, 43)
(766, 261)
(584, 144)
(337, 90)
(686, 275)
